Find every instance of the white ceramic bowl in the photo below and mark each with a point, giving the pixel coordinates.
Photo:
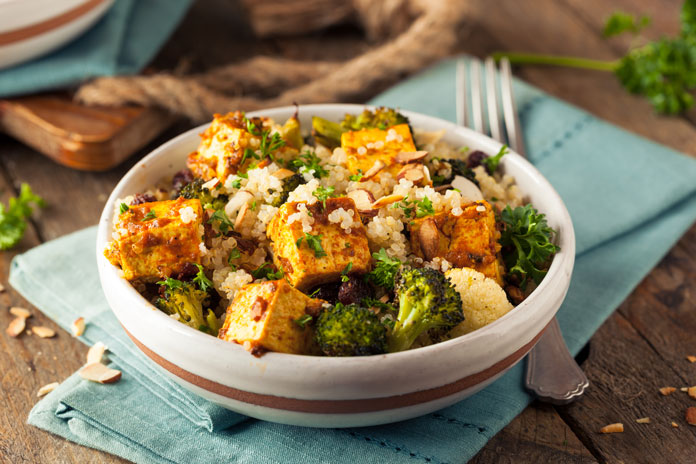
(338, 392)
(31, 28)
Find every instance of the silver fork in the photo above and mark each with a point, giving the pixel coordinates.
(552, 373)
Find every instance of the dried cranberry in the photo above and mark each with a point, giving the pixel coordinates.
(186, 272)
(354, 290)
(326, 292)
(180, 179)
(141, 198)
(475, 159)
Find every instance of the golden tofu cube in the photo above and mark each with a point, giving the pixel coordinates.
(157, 239)
(262, 318)
(306, 265)
(384, 146)
(468, 240)
(222, 146)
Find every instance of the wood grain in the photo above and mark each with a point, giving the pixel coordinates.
(640, 348)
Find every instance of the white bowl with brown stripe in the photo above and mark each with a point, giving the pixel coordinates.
(338, 392)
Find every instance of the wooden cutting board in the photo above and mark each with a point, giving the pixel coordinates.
(77, 136)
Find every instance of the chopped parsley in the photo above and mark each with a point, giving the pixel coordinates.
(170, 283)
(204, 283)
(356, 177)
(303, 321)
(322, 194)
(234, 254)
(492, 162)
(313, 243)
(266, 271)
(150, 215)
(424, 207)
(385, 269)
(237, 183)
(224, 222)
(123, 208)
(309, 161)
(345, 271)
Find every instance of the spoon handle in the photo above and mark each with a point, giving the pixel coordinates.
(552, 373)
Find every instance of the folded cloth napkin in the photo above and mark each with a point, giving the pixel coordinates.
(122, 42)
(630, 200)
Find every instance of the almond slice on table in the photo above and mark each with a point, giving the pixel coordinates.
(46, 389)
(690, 415)
(612, 428)
(691, 391)
(387, 200)
(78, 327)
(95, 353)
(16, 327)
(373, 171)
(405, 157)
(691, 359)
(2, 288)
(20, 312)
(643, 420)
(675, 425)
(664, 391)
(43, 332)
(283, 174)
(97, 372)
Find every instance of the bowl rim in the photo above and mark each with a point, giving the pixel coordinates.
(564, 259)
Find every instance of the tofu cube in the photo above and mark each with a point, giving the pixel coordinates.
(383, 146)
(223, 145)
(158, 239)
(262, 318)
(336, 241)
(469, 240)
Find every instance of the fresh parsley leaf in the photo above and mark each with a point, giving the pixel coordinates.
(406, 205)
(150, 215)
(123, 208)
(170, 283)
(224, 222)
(356, 177)
(345, 271)
(309, 161)
(13, 217)
(204, 283)
(621, 22)
(424, 208)
(303, 321)
(528, 237)
(236, 183)
(322, 194)
(253, 205)
(266, 271)
(234, 254)
(313, 243)
(492, 162)
(385, 269)
(314, 293)
(270, 144)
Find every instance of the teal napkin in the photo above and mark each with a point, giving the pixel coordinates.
(630, 201)
(122, 42)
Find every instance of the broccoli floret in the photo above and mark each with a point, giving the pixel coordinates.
(328, 133)
(195, 190)
(184, 299)
(427, 300)
(289, 184)
(350, 330)
(459, 168)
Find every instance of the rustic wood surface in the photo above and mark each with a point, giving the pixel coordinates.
(641, 348)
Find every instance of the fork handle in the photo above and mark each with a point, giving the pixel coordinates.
(552, 373)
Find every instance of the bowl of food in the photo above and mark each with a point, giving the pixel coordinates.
(334, 265)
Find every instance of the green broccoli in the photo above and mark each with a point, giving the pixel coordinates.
(328, 133)
(459, 168)
(289, 184)
(427, 301)
(184, 299)
(350, 330)
(195, 189)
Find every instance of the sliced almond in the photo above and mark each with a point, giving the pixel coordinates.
(387, 200)
(78, 327)
(405, 157)
(442, 188)
(691, 391)
(384, 298)
(237, 201)
(240, 217)
(20, 312)
(692, 359)
(429, 238)
(211, 184)
(643, 420)
(46, 389)
(664, 391)
(43, 332)
(16, 327)
(612, 428)
(95, 353)
(373, 171)
(684, 389)
(467, 189)
(363, 200)
(283, 174)
(2, 288)
(675, 425)
(690, 415)
(98, 372)
(265, 162)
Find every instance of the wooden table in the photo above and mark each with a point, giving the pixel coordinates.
(641, 348)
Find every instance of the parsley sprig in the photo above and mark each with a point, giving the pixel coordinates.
(223, 221)
(322, 194)
(309, 161)
(492, 162)
(422, 207)
(385, 269)
(266, 271)
(529, 236)
(663, 71)
(313, 243)
(204, 283)
(13, 217)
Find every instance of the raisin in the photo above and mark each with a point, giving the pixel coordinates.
(354, 290)
(475, 159)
